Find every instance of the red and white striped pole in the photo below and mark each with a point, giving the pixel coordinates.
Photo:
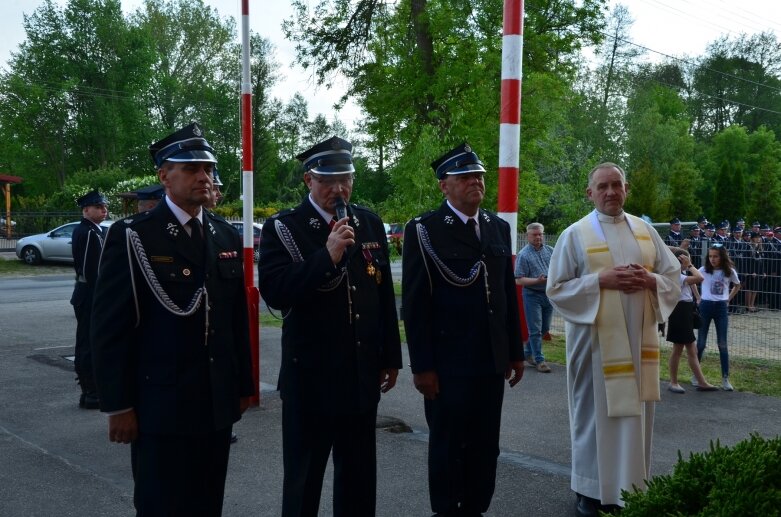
(510, 116)
(253, 296)
(510, 127)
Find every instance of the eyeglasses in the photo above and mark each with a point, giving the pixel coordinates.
(716, 246)
(344, 180)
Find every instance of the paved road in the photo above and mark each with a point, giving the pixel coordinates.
(56, 458)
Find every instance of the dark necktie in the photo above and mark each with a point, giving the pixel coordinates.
(331, 223)
(472, 224)
(196, 234)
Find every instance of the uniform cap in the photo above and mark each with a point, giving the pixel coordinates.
(150, 192)
(332, 156)
(91, 198)
(777, 229)
(461, 160)
(724, 225)
(216, 177)
(702, 219)
(710, 226)
(737, 229)
(675, 220)
(186, 145)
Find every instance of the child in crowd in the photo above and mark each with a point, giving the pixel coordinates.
(680, 330)
(717, 274)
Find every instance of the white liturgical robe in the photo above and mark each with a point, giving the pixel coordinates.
(608, 453)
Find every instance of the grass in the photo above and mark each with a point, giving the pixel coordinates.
(759, 376)
(15, 267)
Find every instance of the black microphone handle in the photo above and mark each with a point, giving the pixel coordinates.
(341, 209)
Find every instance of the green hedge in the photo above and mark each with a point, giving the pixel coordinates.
(744, 480)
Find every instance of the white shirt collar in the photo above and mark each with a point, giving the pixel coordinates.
(182, 216)
(325, 215)
(462, 215)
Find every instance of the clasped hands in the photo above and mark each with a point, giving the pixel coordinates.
(628, 279)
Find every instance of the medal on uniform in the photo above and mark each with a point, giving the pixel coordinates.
(371, 270)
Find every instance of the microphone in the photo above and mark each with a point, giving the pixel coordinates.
(341, 208)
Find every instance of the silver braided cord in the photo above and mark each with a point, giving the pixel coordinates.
(286, 237)
(134, 243)
(287, 241)
(450, 277)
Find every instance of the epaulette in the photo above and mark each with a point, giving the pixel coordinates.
(424, 216)
(360, 208)
(215, 217)
(284, 213)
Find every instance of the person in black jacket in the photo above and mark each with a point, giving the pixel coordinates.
(463, 331)
(325, 265)
(170, 337)
(86, 244)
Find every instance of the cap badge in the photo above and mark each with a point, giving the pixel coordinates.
(197, 131)
(467, 148)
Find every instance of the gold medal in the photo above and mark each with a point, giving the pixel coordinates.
(370, 269)
(378, 276)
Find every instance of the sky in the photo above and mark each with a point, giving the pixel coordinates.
(672, 27)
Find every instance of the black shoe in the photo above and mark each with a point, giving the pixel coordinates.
(234, 437)
(586, 506)
(89, 401)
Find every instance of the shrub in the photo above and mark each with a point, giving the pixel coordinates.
(742, 480)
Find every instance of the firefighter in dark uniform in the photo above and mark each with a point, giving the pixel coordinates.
(674, 237)
(170, 336)
(774, 244)
(463, 332)
(86, 244)
(330, 277)
(695, 246)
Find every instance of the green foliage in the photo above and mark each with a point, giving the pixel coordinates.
(724, 481)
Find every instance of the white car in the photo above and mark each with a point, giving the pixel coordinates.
(53, 246)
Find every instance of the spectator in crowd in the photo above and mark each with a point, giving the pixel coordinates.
(674, 237)
(325, 264)
(721, 232)
(87, 244)
(595, 275)
(531, 271)
(680, 329)
(464, 337)
(718, 274)
(695, 246)
(754, 270)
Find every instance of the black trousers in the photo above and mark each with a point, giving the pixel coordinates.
(82, 363)
(180, 475)
(307, 441)
(463, 445)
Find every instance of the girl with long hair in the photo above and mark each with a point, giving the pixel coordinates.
(718, 274)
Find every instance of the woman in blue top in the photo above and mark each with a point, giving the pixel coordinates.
(718, 274)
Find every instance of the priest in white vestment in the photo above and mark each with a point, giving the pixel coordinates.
(613, 280)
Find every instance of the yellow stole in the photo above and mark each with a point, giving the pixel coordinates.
(623, 388)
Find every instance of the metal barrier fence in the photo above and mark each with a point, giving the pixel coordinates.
(755, 312)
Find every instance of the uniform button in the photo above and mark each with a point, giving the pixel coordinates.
(211, 332)
(353, 288)
(328, 275)
(295, 359)
(207, 276)
(358, 344)
(357, 316)
(211, 359)
(490, 311)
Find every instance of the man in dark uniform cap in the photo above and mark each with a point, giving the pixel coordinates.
(463, 332)
(325, 265)
(170, 337)
(674, 238)
(86, 244)
(149, 197)
(695, 246)
(721, 232)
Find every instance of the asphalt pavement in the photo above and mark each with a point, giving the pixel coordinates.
(56, 459)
